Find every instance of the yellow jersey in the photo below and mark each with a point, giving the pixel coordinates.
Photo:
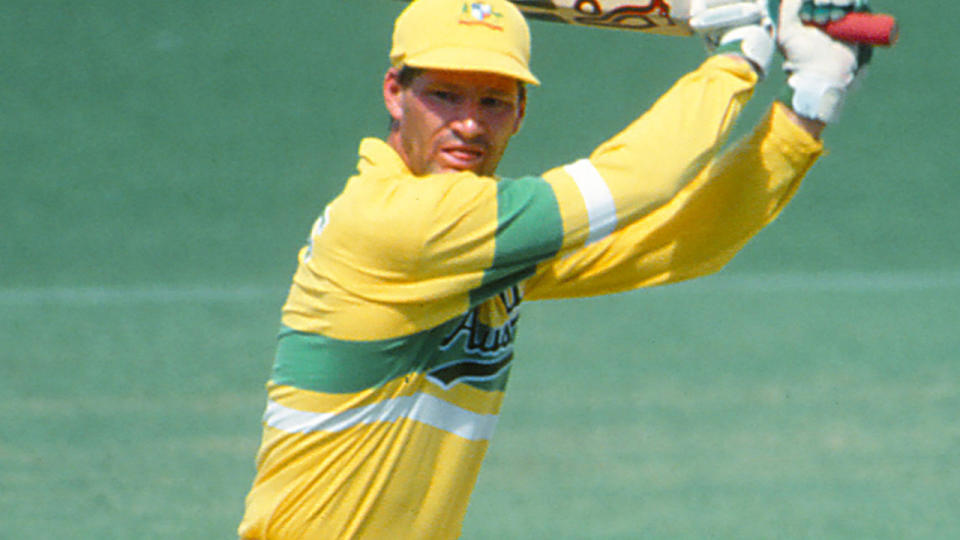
(399, 326)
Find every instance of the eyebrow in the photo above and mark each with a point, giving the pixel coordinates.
(485, 90)
(501, 93)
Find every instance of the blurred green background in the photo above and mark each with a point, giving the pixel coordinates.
(161, 163)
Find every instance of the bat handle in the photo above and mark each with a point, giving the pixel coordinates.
(867, 28)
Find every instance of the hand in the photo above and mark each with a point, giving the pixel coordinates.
(741, 27)
(819, 68)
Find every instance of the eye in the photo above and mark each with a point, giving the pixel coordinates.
(445, 96)
(498, 103)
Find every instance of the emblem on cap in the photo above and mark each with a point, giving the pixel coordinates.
(480, 13)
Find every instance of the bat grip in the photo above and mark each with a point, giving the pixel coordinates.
(867, 28)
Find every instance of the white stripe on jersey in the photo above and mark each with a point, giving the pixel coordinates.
(420, 407)
(601, 209)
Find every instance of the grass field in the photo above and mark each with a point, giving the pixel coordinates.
(161, 164)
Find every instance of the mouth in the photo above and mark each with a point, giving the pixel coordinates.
(462, 157)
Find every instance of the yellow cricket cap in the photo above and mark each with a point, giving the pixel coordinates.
(489, 36)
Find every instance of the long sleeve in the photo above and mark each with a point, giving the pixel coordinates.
(648, 163)
(702, 228)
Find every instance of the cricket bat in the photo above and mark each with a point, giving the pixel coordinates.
(669, 17)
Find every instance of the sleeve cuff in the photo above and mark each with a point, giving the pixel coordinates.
(795, 142)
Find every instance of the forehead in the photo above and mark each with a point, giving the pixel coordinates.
(469, 80)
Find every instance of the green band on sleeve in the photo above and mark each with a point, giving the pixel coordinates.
(529, 230)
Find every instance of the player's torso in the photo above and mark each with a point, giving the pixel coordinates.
(416, 433)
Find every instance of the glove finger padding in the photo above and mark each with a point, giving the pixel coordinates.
(821, 12)
(709, 16)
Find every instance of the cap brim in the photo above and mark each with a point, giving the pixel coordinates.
(462, 59)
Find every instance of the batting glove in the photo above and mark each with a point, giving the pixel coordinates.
(820, 69)
(742, 27)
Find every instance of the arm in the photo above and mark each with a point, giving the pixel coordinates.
(702, 228)
(713, 218)
(654, 158)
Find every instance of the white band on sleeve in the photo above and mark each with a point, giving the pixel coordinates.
(601, 209)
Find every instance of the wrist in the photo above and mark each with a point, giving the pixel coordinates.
(740, 59)
(813, 127)
(753, 44)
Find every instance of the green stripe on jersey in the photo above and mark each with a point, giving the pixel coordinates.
(529, 230)
(322, 364)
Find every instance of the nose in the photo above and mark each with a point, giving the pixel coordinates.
(469, 123)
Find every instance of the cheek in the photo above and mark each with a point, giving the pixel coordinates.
(505, 129)
(422, 121)
(412, 126)
(417, 136)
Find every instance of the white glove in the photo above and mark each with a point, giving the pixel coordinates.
(741, 27)
(819, 68)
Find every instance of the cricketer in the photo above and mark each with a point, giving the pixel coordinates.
(399, 327)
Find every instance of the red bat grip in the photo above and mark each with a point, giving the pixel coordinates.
(868, 28)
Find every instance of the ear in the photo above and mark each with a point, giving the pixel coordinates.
(392, 91)
(521, 112)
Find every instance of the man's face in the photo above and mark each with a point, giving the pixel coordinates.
(452, 121)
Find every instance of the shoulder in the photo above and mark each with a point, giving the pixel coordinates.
(403, 196)
(397, 216)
